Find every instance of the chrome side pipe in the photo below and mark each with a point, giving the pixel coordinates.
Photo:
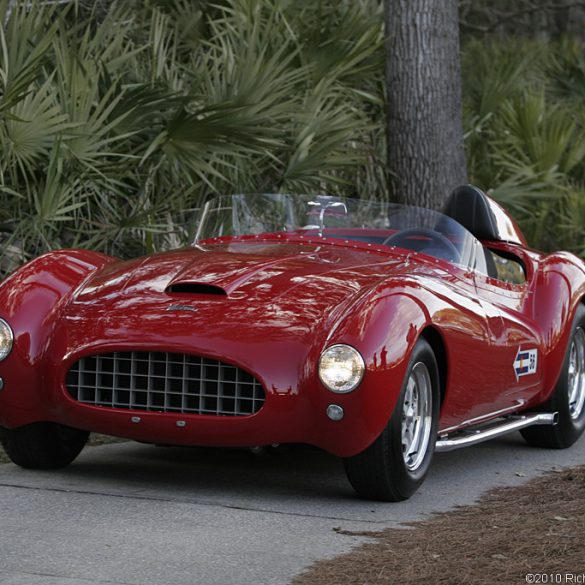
(474, 436)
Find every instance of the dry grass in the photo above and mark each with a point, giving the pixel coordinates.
(535, 528)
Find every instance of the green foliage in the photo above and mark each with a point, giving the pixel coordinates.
(116, 124)
(525, 120)
(118, 120)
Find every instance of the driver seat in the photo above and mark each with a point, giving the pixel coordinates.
(470, 206)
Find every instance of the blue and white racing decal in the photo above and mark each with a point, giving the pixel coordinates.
(526, 362)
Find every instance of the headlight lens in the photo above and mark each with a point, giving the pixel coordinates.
(341, 368)
(6, 339)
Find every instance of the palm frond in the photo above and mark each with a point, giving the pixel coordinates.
(25, 40)
(30, 128)
(540, 135)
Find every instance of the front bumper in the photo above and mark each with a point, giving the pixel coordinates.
(294, 411)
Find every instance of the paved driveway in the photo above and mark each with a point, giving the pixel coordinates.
(140, 515)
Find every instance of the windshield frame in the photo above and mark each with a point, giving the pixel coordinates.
(321, 218)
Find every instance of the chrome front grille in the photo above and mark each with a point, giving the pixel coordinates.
(164, 382)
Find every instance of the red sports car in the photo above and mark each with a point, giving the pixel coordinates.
(380, 333)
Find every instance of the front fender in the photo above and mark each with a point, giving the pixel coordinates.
(30, 300)
(384, 329)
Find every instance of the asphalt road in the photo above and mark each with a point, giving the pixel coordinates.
(140, 515)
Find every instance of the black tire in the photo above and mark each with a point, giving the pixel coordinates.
(43, 445)
(381, 472)
(571, 422)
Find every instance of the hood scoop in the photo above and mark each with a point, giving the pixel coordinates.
(195, 288)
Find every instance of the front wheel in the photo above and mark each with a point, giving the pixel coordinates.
(43, 445)
(568, 398)
(393, 467)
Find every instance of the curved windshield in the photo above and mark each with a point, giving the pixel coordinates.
(324, 216)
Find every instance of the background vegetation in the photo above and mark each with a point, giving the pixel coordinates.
(118, 121)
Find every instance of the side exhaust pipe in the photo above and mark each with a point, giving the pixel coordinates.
(473, 436)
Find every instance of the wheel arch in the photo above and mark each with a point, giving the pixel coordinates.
(433, 337)
(558, 293)
(30, 301)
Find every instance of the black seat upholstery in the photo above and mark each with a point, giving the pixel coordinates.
(490, 264)
(470, 207)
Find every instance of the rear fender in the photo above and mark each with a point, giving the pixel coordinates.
(559, 290)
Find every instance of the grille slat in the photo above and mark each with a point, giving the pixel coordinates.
(164, 382)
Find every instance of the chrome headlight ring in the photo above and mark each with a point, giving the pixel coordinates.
(6, 340)
(341, 368)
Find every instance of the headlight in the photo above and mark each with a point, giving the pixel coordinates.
(341, 368)
(6, 339)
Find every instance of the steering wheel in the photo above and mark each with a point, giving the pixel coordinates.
(424, 240)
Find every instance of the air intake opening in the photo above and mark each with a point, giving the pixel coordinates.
(164, 382)
(196, 288)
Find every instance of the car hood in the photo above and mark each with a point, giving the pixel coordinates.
(223, 299)
(237, 271)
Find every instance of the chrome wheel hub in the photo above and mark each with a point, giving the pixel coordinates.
(576, 382)
(417, 416)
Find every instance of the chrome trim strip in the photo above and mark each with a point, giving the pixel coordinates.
(479, 435)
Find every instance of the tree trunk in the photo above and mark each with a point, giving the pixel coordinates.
(425, 132)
